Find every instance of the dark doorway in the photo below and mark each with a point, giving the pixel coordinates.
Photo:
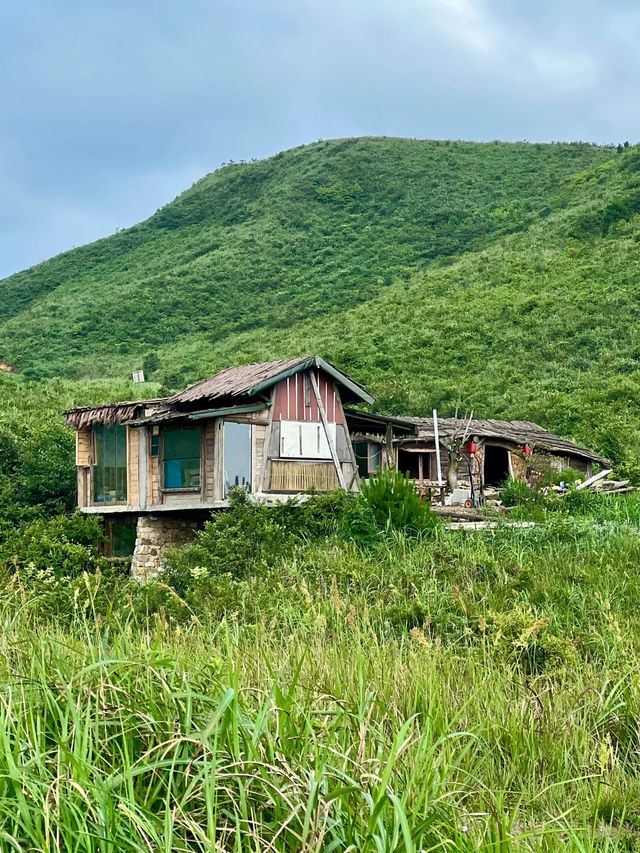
(408, 464)
(120, 536)
(496, 465)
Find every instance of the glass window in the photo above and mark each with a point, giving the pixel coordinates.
(237, 456)
(368, 457)
(110, 469)
(375, 457)
(181, 458)
(360, 450)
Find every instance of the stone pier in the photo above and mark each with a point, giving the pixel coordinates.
(153, 534)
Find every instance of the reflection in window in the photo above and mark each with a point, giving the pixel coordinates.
(110, 469)
(181, 458)
(237, 456)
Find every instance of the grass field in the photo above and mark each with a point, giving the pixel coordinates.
(461, 693)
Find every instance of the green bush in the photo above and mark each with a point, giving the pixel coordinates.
(395, 503)
(517, 492)
(525, 638)
(251, 536)
(67, 545)
(569, 476)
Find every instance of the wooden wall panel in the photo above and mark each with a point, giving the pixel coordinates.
(258, 436)
(133, 471)
(84, 447)
(295, 401)
(155, 496)
(84, 486)
(209, 462)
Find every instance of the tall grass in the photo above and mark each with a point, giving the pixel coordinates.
(463, 693)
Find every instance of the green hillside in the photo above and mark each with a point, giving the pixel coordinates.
(503, 277)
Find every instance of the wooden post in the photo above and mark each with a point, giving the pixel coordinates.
(142, 466)
(266, 461)
(436, 436)
(388, 440)
(355, 479)
(325, 424)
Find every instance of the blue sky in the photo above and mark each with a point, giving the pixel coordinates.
(109, 109)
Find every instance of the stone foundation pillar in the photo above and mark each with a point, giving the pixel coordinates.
(153, 534)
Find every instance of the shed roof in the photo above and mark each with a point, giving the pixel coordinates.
(516, 432)
(249, 380)
(109, 413)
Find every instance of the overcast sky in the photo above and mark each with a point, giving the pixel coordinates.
(108, 109)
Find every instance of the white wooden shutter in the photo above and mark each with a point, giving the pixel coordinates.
(305, 440)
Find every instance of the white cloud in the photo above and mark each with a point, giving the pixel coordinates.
(567, 70)
(466, 22)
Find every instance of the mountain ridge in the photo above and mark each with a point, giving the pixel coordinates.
(494, 276)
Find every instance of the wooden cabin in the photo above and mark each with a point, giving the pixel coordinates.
(486, 453)
(275, 429)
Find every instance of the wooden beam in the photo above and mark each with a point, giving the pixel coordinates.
(436, 436)
(355, 479)
(143, 465)
(266, 460)
(325, 424)
(595, 479)
(388, 446)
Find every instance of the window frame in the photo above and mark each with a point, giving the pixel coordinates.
(250, 490)
(172, 490)
(94, 465)
(371, 471)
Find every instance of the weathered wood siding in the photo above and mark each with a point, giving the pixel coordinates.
(294, 399)
(258, 437)
(84, 446)
(133, 470)
(209, 492)
(153, 481)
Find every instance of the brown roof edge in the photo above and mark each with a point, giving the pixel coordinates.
(107, 413)
(517, 432)
(251, 380)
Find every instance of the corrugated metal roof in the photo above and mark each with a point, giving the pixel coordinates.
(518, 432)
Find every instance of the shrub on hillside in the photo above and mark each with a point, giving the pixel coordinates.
(395, 503)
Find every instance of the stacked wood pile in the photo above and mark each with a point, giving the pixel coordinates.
(600, 483)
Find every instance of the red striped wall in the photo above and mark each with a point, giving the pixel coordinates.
(295, 400)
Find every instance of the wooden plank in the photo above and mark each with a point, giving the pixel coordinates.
(218, 477)
(436, 438)
(263, 480)
(327, 432)
(487, 525)
(355, 479)
(595, 479)
(143, 466)
(133, 473)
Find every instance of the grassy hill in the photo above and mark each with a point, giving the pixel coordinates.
(503, 277)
